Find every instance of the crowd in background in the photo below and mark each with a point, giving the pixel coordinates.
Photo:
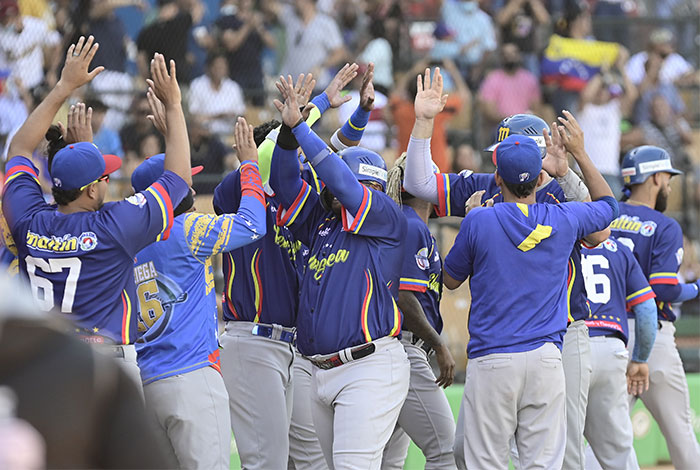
(628, 69)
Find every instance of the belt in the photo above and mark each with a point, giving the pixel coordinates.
(276, 332)
(616, 334)
(416, 341)
(343, 357)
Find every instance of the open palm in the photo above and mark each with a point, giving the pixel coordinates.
(429, 98)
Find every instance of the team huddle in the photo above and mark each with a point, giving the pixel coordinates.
(332, 286)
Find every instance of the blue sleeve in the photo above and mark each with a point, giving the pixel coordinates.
(145, 217)
(459, 263)
(645, 327)
(330, 168)
(22, 194)
(551, 193)
(208, 235)
(637, 288)
(455, 189)
(683, 292)
(321, 102)
(415, 271)
(590, 217)
(666, 258)
(227, 194)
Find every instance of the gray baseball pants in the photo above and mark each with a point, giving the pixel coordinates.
(426, 417)
(304, 449)
(506, 394)
(190, 411)
(258, 373)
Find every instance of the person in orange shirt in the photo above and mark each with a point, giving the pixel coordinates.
(401, 106)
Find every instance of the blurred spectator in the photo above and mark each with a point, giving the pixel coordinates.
(169, 34)
(214, 98)
(243, 33)
(403, 114)
(608, 97)
(519, 20)
(137, 127)
(106, 139)
(314, 42)
(660, 63)
(27, 47)
(466, 158)
(209, 151)
(474, 36)
(667, 130)
(378, 51)
(612, 9)
(15, 103)
(353, 24)
(508, 90)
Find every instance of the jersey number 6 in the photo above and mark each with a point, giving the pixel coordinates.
(53, 265)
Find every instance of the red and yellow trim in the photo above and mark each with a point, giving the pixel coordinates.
(126, 317)
(443, 189)
(229, 289)
(257, 282)
(569, 287)
(166, 206)
(286, 217)
(663, 278)
(397, 319)
(361, 215)
(365, 306)
(416, 285)
(640, 296)
(20, 169)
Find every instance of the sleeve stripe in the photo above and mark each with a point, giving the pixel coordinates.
(638, 300)
(289, 215)
(408, 280)
(18, 170)
(663, 278)
(166, 207)
(638, 293)
(251, 183)
(412, 287)
(443, 188)
(362, 212)
(553, 197)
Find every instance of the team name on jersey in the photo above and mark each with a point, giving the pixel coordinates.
(434, 282)
(625, 223)
(68, 243)
(144, 272)
(291, 247)
(319, 266)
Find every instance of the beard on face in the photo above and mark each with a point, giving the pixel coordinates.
(661, 201)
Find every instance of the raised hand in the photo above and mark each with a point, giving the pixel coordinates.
(79, 124)
(291, 115)
(367, 89)
(571, 134)
(245, 144)
(340, 81)
(303, 88)
(157, 116)
(556, 163)
(75, 71)
(164, 82)
(429, 98)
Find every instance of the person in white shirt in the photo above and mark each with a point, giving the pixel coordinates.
(25, 44)
(215, 99)
(674, 69)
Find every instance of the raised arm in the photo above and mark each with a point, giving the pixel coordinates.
(163, 85)
(419, 179)
(74, 75)
(351, 133)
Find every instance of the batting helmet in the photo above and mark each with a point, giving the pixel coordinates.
(522, 124)
(641, 162)
(365, 164)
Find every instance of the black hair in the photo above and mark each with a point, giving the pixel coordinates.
(261, 131)
(56, 142)
(65, 196)
(96, 104)
(376, 28)
(572, 11)
(521, 190)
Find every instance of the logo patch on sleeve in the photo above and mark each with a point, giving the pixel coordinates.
(422, 259)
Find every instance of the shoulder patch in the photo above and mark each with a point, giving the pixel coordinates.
(466, 173)
(137, 199)
(679, 255)
(422, 259)
(610, 245)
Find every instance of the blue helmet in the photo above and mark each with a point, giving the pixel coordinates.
(365, 164)
(641, 162)
(522, 124)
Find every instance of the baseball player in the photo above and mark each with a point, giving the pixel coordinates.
(78, 255)
(657, 243)
(178, 351)
(449, 192)
(515, 381)
(426, 416)
(615, 282)
(261, 293)
(348, 319)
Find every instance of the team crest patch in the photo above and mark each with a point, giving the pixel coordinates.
(422, 259)
(137, 199)
(648, 228)
(610, 245)
(57, 182)
(87, 241)
(524, 176)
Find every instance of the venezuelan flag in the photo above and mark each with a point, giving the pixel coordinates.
(570, 63)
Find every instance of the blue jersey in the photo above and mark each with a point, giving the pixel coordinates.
(9, 264)
(455, 189)
(175, 285)
(422, 267)
(351, 280)
(615, 283)
(516, 256)
(657, 243)
(261, 279)
(82, 264)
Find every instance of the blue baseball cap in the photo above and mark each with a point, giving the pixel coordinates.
(78, 165)
(518, 159)
(150, 170)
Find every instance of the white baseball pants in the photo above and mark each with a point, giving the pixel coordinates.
(258, 373)
(355, 406)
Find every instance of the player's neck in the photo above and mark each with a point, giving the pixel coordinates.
(74, 207)
(639, 198)
(510, 197)
(422, 208)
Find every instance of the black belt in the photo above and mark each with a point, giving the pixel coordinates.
(616, 334)
(344, 356)
(416, 341)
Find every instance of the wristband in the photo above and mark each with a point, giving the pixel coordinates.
(321, 102)
(355, 126)
(337, 143)
(286, 139)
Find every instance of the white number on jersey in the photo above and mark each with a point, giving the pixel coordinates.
(597, 284)
(628, 242)
(38, 283)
